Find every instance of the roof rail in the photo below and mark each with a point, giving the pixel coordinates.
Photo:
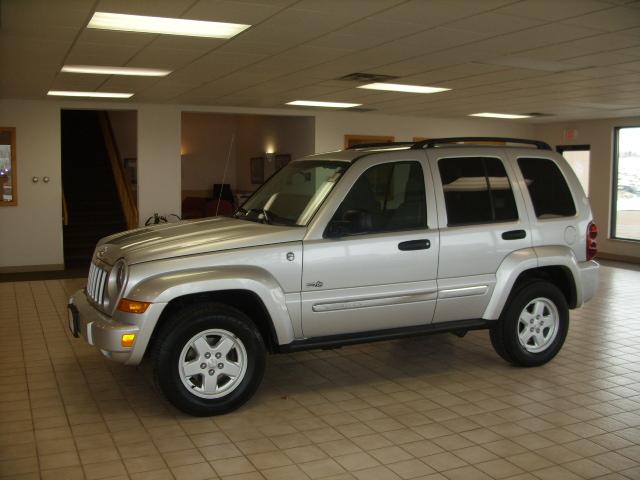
(433, 142)
(380, 144)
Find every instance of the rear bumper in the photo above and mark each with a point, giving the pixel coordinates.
(589, 273)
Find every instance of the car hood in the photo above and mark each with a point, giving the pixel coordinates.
(191, 237)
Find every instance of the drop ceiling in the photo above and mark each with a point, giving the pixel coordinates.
(573, 59)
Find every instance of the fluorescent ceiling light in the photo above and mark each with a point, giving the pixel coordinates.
(498, 115)
(96, 69)
(312, 103)
(165, 25)
(398, 87)
(66, 93)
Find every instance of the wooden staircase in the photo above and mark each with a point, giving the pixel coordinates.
(95, 192)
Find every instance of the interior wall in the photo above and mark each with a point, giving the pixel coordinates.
(258, 135)
(206, 139)
(31, 233)
(598, 134)
(331, 127)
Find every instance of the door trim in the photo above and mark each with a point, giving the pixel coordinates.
(426, 295)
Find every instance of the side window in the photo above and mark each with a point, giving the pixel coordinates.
(476, 190)
(386, 197)
(547, 187)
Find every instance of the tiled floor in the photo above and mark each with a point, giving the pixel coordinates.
(431, 408)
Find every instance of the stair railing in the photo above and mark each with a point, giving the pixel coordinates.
(127, 200)
(65, 210)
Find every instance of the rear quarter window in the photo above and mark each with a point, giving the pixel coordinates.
(548, 189)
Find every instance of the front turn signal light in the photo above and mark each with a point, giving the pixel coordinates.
(128, 339)
(132, 306)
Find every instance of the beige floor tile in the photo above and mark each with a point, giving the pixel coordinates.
(430, 408)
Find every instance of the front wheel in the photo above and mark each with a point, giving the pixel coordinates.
(533, 326)
(209, 359)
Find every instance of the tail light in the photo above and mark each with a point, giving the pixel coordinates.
(592, 244)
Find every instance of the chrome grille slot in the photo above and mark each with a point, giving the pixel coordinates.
(96, 283)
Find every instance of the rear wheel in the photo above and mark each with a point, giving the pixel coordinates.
(533, 326)
(209, 359)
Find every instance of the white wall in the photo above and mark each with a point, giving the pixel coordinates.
(158, 160)
(31, 233)
(598, 134)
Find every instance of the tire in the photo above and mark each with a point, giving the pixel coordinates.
(209, 359)
(533, 326)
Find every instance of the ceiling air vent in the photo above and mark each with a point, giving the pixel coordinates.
(360, 109)
(538, 114)
(367, 77)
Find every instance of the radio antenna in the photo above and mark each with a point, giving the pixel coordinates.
(224, 174)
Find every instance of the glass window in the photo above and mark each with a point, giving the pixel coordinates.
(386, 197)
(476, 190)
(626, 191)
(547, 187)
(293, 194)
(579, 158)
(8, 180)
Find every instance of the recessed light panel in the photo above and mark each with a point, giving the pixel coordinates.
(165, 25)
(397, 87)
(313, 103)
(101, 70)
(498, 115)
(67, 93)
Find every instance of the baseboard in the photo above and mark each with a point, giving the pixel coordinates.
(617, 258)
(32, 268)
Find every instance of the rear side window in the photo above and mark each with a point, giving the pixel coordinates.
(476, 190)
(547, 187)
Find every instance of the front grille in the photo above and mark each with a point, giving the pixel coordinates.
(96, 283)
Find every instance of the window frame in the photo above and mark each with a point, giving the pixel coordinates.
(614, 187)
(384, 232)
(510, 179)
(14, 168)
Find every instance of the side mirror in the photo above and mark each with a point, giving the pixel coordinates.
(353, 222)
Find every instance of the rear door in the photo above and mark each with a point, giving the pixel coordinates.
(482, 219)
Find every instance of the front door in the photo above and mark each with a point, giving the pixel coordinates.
(374, 265)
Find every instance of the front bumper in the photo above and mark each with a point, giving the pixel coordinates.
(589, 273)
(100, 330)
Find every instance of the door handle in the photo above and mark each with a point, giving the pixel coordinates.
(514, 235)
(414, 245)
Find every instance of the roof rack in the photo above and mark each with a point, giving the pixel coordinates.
(381, 144)
(433, 142)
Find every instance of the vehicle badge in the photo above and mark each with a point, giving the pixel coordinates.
(101, 252)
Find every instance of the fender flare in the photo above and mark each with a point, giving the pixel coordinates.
(166, 287)
(525, 259)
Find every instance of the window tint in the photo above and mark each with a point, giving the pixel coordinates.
(386, 197)
(476, 190)
(548, 189)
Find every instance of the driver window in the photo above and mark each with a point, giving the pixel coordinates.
(385, 198)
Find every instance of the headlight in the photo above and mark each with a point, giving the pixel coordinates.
(117, 282)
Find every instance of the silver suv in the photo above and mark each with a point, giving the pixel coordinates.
(372, 243)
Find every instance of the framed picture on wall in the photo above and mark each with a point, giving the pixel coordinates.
(257, 170)
(282, 160)
(351, 140)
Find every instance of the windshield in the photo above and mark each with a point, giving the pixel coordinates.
(293, 195)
